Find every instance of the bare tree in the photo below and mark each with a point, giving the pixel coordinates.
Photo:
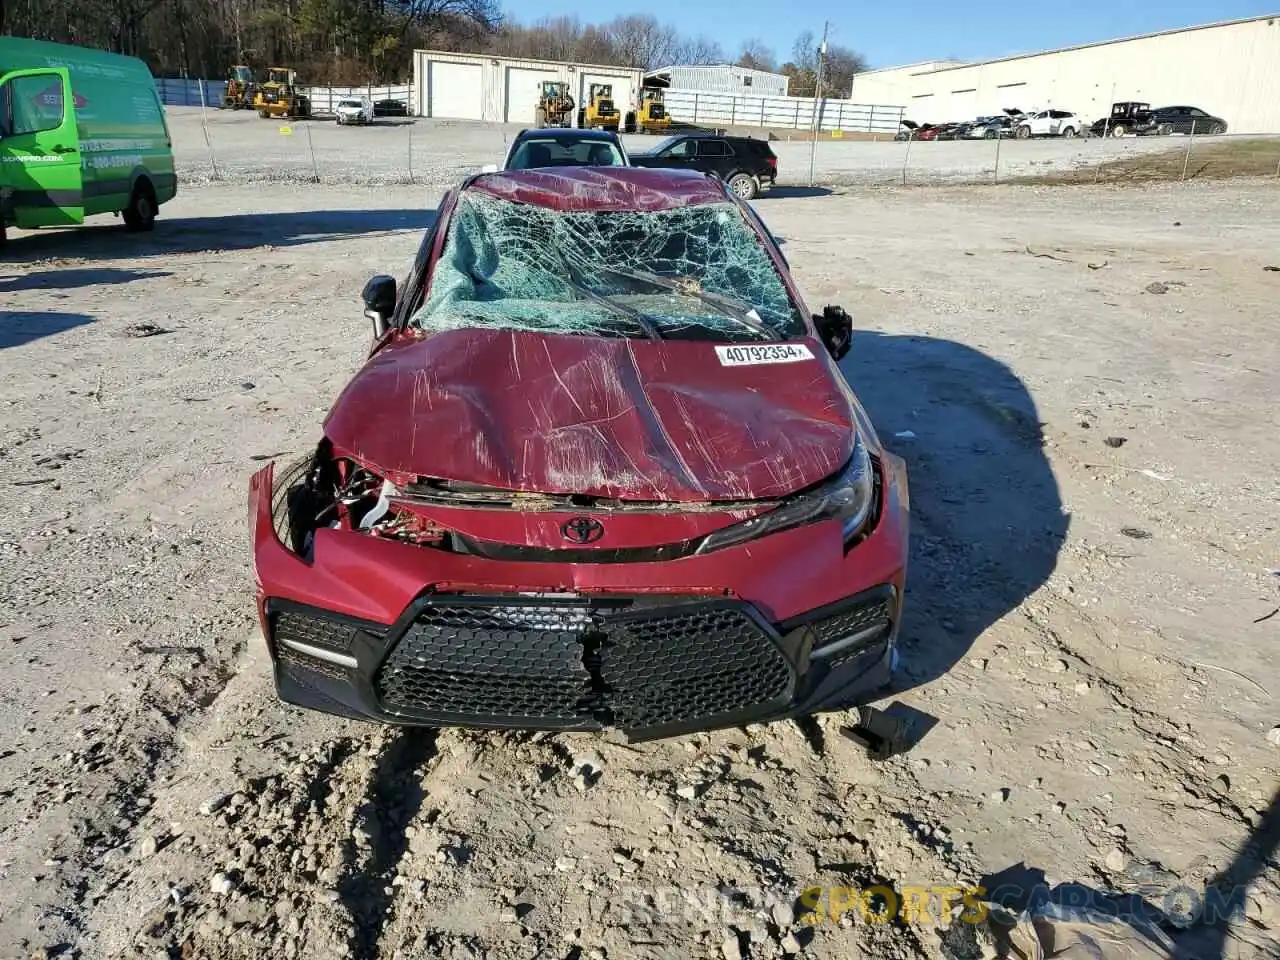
(756, 56)
(698, 51)
(641, 41)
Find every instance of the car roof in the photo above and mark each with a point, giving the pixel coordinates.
(612, 189)
(575, 133)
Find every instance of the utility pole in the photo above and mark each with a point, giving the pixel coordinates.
(817, 101)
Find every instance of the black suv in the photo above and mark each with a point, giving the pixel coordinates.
(744, 163)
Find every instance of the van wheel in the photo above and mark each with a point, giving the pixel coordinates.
(140, 215)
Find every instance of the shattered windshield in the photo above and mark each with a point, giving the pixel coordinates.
(693, 272)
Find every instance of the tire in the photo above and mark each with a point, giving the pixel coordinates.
(989, 134)
(1024, 133)
(1069, 133)
(265, 115)
(744, 186)
(140, 215)
(1217, 129)
(1118, 130)
(1165, 129)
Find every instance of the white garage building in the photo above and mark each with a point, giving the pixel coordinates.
(1230, 69)
(464, 86)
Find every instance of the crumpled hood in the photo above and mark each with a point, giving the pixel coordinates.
(632, 419)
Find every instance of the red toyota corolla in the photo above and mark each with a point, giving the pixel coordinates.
(600, 471)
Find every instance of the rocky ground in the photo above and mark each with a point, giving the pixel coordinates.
(1082, 381)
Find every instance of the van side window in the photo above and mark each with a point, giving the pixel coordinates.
(36, 103)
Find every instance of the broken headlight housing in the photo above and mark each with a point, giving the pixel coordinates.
(849, 497)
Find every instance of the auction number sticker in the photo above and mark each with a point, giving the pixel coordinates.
(748, 354)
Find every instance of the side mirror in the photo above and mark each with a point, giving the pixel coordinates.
(489, 168)
(835, 327)
(379, 302)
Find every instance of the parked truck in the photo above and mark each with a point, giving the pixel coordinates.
(82, 132)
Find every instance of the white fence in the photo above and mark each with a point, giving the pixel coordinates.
(792, 112)
(187, 93)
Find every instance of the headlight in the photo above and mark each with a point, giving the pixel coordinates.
(848, 497)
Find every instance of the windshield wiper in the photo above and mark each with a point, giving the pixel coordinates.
(735, 309)
(644, 323)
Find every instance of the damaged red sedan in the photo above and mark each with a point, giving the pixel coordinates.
(600, 471)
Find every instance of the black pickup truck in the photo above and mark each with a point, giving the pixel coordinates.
(744, 163)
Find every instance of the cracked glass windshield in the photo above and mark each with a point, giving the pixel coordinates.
(694, 272)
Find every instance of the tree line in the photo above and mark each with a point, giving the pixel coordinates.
(372, 41)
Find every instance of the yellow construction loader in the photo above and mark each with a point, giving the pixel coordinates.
(651, 116)
(555, 106)
(600, 110)
(240, 88)
(279, 96)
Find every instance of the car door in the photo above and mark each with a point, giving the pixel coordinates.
(680, 155)
(1181, 120)
(715, 156)
(40, 148)
(1198, 121)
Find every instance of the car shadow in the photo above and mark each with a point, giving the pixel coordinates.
(987, 522)
(70, 279)
(23, 326)
(794, 193)
(234, 231)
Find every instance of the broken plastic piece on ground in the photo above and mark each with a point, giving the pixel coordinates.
(879, 733)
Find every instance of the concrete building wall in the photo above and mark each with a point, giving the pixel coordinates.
(464, 86)
(1232, 70)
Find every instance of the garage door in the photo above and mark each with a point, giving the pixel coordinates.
(523, 89)
(453, 91)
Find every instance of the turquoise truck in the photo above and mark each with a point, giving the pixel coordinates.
(82, 132)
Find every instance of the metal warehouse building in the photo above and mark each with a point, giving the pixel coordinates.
(1230, 69)
(463, 86)
(720, 78)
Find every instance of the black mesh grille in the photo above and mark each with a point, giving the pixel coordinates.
(582, 664)
(850, 621)
(313, 631)
(695, 664)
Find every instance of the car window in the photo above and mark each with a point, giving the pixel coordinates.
(565, 152)
(714, 148)
(1197, 113)
(519, 266)
(350, 103)
(37, 104)
(683, 148)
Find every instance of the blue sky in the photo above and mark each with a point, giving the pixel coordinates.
(890, 33)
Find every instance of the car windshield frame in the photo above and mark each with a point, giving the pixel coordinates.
(507, 264)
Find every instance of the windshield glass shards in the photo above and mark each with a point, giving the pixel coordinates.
(693, 272)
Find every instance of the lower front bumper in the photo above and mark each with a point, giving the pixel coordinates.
(647, 667)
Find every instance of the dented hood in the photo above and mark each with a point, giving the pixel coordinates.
(607, 417)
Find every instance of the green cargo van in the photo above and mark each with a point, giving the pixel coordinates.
(82, 132)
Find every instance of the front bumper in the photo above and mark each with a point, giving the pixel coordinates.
(783, 626)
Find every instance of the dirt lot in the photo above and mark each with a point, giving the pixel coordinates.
(1083, 381)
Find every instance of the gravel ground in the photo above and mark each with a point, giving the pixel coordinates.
(438, 152)
(1083, 382)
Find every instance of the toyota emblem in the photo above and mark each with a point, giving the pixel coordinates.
(582, 530)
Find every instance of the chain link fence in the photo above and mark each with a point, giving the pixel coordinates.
(213, 145)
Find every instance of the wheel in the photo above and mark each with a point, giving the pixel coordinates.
(1165, 129)
(1118, 130)
(1024, 133)
(1217, 129)
(744, 185)
(1069, 133)
(989, 135)
(140, 215)
(265, 115)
